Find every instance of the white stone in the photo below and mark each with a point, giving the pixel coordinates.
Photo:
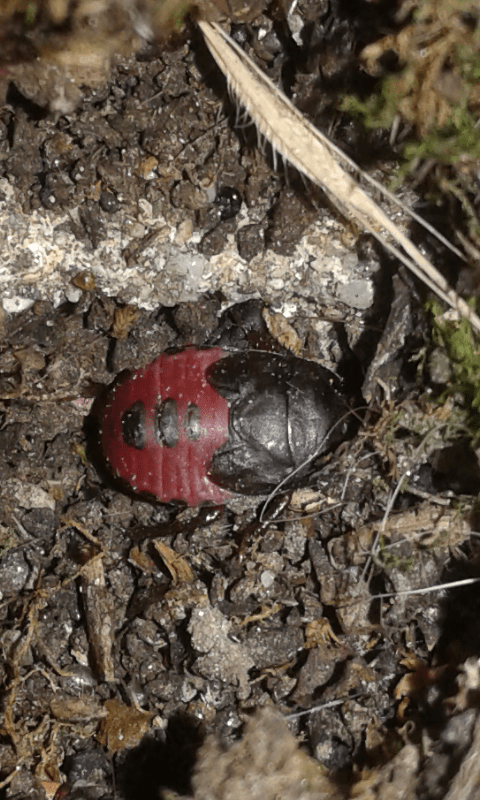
(356, 294)
(13, 305)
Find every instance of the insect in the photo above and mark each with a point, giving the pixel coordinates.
(199, 424)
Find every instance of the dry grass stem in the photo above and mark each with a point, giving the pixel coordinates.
(309, 151)
(426, 589)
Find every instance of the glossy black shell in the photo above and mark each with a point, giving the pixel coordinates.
(283, 411)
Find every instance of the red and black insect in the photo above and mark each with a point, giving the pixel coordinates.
(199, 424)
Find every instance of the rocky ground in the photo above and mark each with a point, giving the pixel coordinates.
(136, 637)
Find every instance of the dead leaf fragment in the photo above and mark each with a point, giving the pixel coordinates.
(176, 565)
(99, 613)
(282, 331)
(71, 709)
(124, 321)
(141, 560)
(426, 525)
(123, 726)
(319, 633)
(84, 280)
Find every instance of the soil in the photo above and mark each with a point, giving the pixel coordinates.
(131, 631)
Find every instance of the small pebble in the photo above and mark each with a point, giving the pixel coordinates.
(356, 294)
(13, 305)
(267, 579)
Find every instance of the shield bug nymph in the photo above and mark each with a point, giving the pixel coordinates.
(199, 424)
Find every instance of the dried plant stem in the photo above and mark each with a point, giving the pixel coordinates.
(439, 587)
(305, 148)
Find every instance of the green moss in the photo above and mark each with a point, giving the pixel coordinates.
(448, 144)
(391, 561)
(79, 450)
(31, 14)
(8, 539)
(447, 149)
(462, 346)
(180, 16)
(378, 110)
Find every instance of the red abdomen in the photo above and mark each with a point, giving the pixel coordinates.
(162, 426)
